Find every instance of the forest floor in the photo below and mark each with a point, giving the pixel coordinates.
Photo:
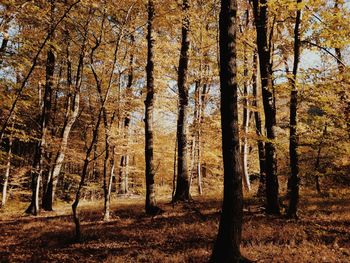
(183, 233)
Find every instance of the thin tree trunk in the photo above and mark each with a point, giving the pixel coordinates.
(151, 204)
(124, 167)
(4, 43)
(121, 177)
(261, 22)
(293, 180)
(258, 129)
(7, 172)
(227, 245)
(106, 162)
(196, 158)
(318, 159)
(174, 172)
(193, 168)
(182, 192)
(246, 113)
(45, 119)
(109, 189)
(71, 117)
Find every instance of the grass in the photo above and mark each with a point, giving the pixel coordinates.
(184, 233)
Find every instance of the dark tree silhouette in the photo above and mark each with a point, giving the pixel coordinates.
(182, 192)
(227, 245)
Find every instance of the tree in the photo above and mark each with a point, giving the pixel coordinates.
(38, 165)
(246, 113)
(182, 192)
(260, 8)
(293, 181)
(258, 129)
(227, 245)
(8, 168)
(72, 110)
(151, 204)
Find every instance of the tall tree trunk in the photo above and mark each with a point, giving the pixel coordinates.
(182, 192)
(7, 171)
(318, 159)
(261, 23)
(40, 152)
(227, 245)
(106, 163)
(39, 157)
(124, 161)
(109, 189)
(293, 180)
(71, 116)
(197, 136)
(151, 204)
(246, 113)
(174, 169)
(258, 129)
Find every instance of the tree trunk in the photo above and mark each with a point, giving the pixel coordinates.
(182, 192)
(258, 129)
(193, 168)
(71, 117)
(196, 158)
(124, 162)
(244, 148)
(261, 23)
(109, 189)
(45, 119)
(106, 162)
(318, 159)
(121, 177)
(7, 172)
(174, 170)
(151, 204)
(227, 245)
(293, 180)
(4, 43)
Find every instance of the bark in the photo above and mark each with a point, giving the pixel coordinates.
(123, 180)
(261, 23)
(227, 245)
(182, 192)
(124, 162)
(3, 46)
(151, 204)
(258, 129)
(246, 113)
(193, 170)
(7, 172)
(174, 171)
(109, 189)
(318, 159)
(196, 169)
(40, 151)
(71, 116)
(106, 162)
(293, 180)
